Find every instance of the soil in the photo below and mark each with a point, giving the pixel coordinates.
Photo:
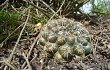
(99, 59)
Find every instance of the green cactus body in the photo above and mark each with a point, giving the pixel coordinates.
(64, 38)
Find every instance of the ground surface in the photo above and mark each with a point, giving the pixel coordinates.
(98, 60)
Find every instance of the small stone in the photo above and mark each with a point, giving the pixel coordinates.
(91, 69)
(108, 46)
(108, 55)
(109, 65)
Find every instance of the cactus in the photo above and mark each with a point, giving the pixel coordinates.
(62, 39)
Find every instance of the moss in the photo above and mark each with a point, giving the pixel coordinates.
(8, 22)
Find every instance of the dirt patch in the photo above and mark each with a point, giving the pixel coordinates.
(98, 60)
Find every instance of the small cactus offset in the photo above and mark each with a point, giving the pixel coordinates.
(63, 39)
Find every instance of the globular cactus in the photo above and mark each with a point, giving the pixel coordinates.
(62, 39)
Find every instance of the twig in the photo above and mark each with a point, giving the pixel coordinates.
(33, 58)
(19, 37)
(11, 55)
(86, 1)
(84, 67)
(4, 3)
(67, 6)
(32, 46)
(37, 9)
(10, 65)
(57, 10)
(94, 49)
(94, 21)
(50, 8)
(30, 61)
(23, 65)
(14, 8)
(41, 10)
(5, 62)
(12, 33)
(30, 68)
(14, 30)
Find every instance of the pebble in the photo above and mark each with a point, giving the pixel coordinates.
(108, 55)
(109, 66)
(91, 69)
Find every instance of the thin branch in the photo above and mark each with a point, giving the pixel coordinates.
(57, 10)
(15, 29)
(19, 37)
(67, 6)
(10, 65)
(49, 7)
(27, 61)
(86, 2)
(41, 10)
(11, 55)
(14, 8)
(12, 33)
(23, 65)
(93, 20)
(5, 62)
(31, 61)
(32, 46)
(4, 3)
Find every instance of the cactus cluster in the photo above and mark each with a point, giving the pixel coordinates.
(64, 39)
